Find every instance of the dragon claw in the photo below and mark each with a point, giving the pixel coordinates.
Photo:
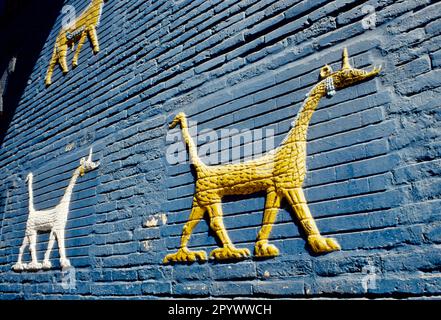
(185, 255)
(34, 266)
(264, 249)
(229, 252)
(321, 244)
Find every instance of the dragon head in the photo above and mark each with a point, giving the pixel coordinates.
(29, 177)
(346, 76)
(87, 165)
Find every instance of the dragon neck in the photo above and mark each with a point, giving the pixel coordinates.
(300, 124)
(69, 190)
(31, 193)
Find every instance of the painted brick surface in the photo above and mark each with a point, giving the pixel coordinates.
(373, 162)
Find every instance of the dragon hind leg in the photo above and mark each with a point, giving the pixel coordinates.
(228, 251)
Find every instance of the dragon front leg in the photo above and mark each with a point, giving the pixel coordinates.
(94, 39)
(316, 241)
(77, 52)
(228, 251)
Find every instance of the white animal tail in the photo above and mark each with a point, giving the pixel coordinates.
(30, 180)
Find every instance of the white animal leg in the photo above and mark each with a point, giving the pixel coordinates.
(64, 262)
(46, 263)
(19, 266)
(34, 265)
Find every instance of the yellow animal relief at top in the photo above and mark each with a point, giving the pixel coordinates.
(77, 30)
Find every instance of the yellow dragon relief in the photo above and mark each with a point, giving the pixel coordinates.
(280, 173)
(76, 31)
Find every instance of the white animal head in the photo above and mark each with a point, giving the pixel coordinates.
(29, 177)
(87, 165)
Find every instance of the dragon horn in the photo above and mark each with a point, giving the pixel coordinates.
(345, 64)
(90, 154)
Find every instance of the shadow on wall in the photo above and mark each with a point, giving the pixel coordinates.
(24, 28)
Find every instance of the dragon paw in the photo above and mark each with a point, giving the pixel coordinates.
(185, 255)
(33, 266)
(65, 263)
(229, 252)
(264, 249)
(47, 265)
(321, 244)
(19, 266)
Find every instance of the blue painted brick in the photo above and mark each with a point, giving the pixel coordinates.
(198, 272)
(433, 28)
(436, 59)
(116, 289)
(277, 288)
(150, 273)
(285, 269)
(191, 289)
(242, 270)
(338, 286)
(156, 288)
(228, 289)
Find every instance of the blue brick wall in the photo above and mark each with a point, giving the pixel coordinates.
(373, 178)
